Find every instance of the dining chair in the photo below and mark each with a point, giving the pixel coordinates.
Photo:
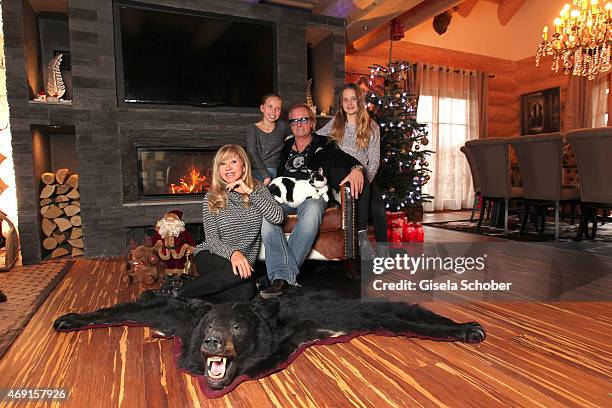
(593, 148)
(475, 180)
(492, 159)
(541, 160)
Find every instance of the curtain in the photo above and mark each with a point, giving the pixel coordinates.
(452, 102)
(586, 103)
(600, 101)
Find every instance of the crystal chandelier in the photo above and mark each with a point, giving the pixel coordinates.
(581, 41)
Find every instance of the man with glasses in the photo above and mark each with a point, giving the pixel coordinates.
(304, 152)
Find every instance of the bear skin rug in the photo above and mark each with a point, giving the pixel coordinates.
(228, 343)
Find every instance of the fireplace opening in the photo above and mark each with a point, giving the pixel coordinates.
(166, 172)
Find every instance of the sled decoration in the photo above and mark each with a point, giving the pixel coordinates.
(55, 83)
(10, 243)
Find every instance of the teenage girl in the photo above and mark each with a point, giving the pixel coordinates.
(359, 135)
(265, 139)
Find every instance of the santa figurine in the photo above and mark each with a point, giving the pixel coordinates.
(173, 242)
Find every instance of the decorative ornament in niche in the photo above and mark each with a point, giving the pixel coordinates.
(55, 83)
(309, 100)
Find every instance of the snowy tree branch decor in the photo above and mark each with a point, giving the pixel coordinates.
(55, 83)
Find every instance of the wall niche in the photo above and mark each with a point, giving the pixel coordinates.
(55, 170)
(320, 54)
(46, 34)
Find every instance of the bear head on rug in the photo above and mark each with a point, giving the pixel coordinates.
(232, 339)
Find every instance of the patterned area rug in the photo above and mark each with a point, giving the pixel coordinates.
(601, 245)
(26, 288)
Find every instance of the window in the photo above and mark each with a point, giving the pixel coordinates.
(451, 120)
(448, 128)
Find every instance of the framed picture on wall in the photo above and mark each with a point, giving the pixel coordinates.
(540, 112)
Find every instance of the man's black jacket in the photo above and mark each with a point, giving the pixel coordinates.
(324, 153)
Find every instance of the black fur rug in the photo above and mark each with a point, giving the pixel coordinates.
(226, 344)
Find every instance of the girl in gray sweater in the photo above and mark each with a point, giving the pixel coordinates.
(359, 135)
(232, 213)
(265, 138)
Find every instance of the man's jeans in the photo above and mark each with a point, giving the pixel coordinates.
(283, 259)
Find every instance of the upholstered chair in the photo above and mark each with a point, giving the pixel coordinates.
(541, 160)
(492, 159)
(593, 148)
(475, 180)
(337, 238)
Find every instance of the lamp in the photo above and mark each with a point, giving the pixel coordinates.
(396, 33)
(581, 41)
(397, 30)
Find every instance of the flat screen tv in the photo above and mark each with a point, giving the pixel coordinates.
(179, 58)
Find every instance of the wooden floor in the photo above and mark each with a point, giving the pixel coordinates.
(535, 355)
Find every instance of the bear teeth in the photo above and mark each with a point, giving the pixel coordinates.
(216, 367)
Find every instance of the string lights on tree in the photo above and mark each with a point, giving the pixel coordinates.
(404, 168)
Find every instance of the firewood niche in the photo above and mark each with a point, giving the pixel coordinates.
(60, 208)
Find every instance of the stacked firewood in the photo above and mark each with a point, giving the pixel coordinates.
(60, 208)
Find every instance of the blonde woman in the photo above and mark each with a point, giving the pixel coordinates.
(359, 135)
(232, 213)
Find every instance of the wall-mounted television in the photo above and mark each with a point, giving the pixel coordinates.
(175, 57)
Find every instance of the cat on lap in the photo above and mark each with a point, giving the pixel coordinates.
(293, 192)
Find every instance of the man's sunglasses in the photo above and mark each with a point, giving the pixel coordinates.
(302, 121)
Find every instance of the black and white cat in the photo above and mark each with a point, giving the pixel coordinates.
(293, 192)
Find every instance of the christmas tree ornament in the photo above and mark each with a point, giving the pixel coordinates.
(424, 141)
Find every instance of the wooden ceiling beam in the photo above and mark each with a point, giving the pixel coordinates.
(466, 7)
(410, 19)
(377, 14)
(507, 9)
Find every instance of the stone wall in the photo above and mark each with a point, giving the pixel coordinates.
(106, 134)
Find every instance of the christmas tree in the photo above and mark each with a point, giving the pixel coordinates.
(403, 169)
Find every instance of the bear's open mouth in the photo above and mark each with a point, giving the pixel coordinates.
(216, 367)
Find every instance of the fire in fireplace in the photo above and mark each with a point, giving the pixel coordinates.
(174, 171)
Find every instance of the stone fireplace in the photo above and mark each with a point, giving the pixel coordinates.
(119, 193)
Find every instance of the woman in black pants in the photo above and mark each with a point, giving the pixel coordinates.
(359, 135)
(232, 213)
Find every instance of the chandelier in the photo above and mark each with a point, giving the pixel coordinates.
(580, 44)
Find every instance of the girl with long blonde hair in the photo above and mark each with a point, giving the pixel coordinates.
(265, 139)
(232, 214)
(357, 134)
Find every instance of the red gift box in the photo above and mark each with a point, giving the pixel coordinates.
(399, 229)
(419, 233)
(395, 228)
